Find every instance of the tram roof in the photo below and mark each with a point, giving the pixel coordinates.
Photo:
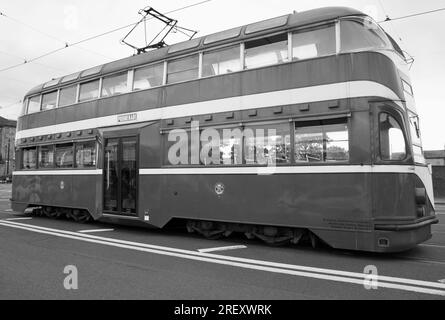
(290, 21)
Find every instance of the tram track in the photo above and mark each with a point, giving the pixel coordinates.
(404, 284)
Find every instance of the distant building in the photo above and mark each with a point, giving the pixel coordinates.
(7, 147)
(437, 160)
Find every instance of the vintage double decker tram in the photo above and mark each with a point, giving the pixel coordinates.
(330, 83)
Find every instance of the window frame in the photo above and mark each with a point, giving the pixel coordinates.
(269, 123)
(152, 64)
(395, 114)
(315, 27)
(346, 120)
(108, 76)
(55, 155)
(389, 45)
(283, 33)
(222, 48)
(76, 95)
(76, 143)
(182, 57)
(23, 155)
(99, 89)
(48, 93)
(29, 101)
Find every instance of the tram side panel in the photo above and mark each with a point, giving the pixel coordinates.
(289, 200)
(150, 186)
(64, 191)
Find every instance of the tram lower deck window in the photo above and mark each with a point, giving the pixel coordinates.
(267, 144)
(322, 142)
(29, 158)
(64, 155)
(86, 154)
(46, 157)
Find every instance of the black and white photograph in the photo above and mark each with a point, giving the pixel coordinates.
(222, 159)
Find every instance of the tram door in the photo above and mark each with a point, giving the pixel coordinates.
(120, 176)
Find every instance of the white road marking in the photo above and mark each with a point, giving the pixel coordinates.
(16, 219)
(8, 210)
(222, 249)
(95, 230)
(404, 284)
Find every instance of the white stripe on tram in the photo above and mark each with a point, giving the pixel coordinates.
(335, 91)
(58, 173)
(237, 170)
(278, 170)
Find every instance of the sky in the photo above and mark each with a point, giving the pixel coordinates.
(32, 28)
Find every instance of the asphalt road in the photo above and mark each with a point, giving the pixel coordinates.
(135, 263)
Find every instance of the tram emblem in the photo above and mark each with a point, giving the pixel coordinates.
(219, 188)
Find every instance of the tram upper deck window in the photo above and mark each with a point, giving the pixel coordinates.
(115, 84)
(392, 139)
(46, 157)
(221, 61)
(29, 158)
(267, 144)
(183, 69)
(322, 142)
(34, 104)
(148, 77)
(89, 91)
(266, 51)
(64, 155)
(360, 33)
(67, 96)
(49, 101)
(86, 154)
(314, 42)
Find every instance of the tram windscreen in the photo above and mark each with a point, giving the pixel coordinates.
(359, 33)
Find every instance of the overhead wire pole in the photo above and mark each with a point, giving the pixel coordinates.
(67, 45)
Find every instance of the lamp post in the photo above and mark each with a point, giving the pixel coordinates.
(7, 158)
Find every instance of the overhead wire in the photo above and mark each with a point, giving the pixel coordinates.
(19, 22)
(67, 45)
(412, 15)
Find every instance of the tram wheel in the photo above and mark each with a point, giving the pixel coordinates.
(80, 216)
(51, 213)
(314, 240)
(207, 229)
